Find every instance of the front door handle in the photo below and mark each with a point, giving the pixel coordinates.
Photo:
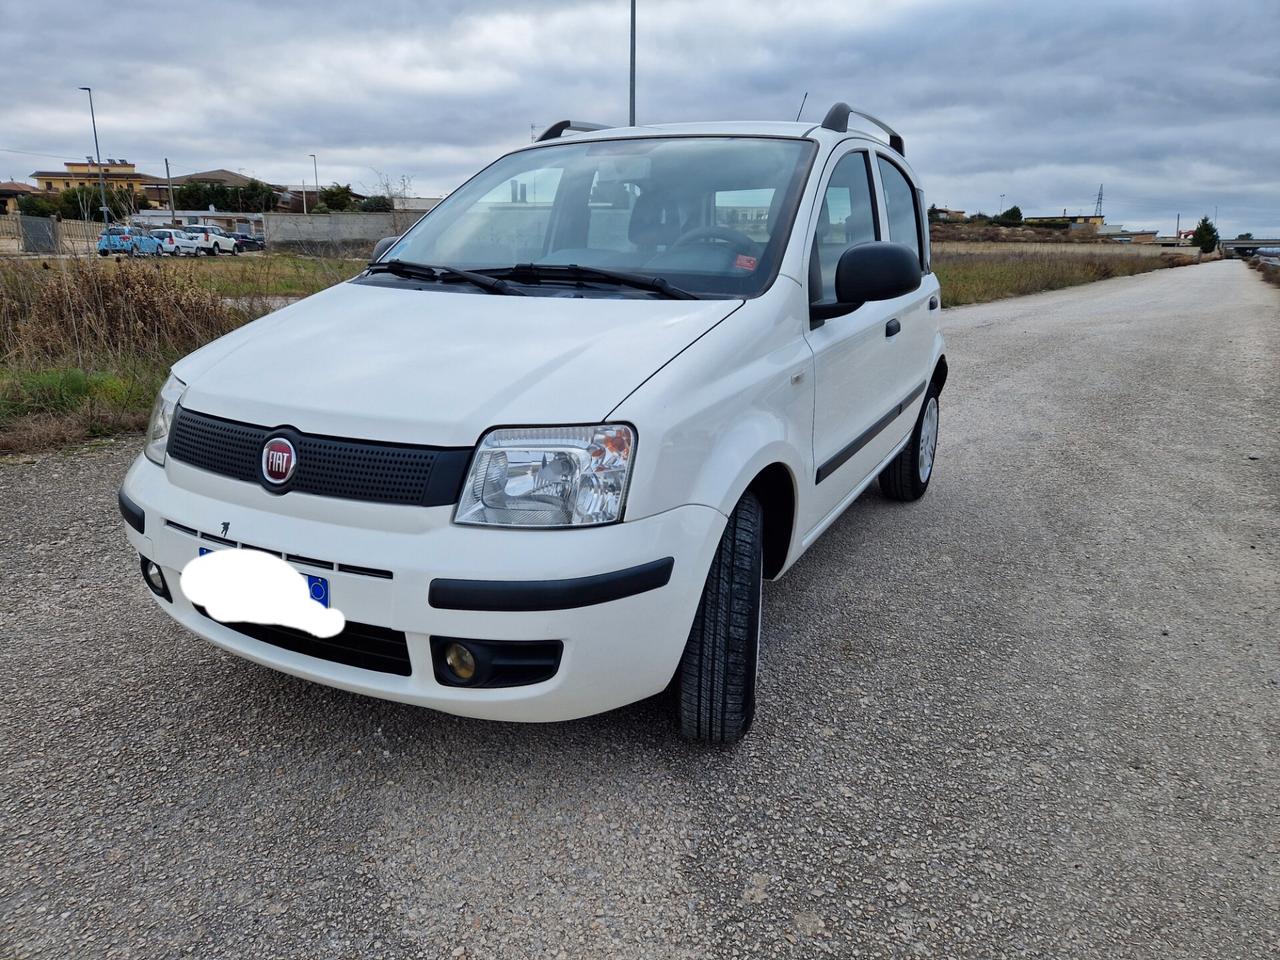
(892, 328)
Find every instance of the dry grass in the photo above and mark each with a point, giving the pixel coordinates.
(980, 277)
(1267, 270)
(85, 344)
(268, 275)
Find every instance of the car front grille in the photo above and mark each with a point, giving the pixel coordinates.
(358, 645)
(326, 466)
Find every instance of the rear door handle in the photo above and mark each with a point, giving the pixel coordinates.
(892, 328)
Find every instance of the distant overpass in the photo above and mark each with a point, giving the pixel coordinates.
(1246, 248)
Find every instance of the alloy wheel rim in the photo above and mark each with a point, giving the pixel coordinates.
(928, 438)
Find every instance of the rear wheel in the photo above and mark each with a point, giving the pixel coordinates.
(212, 251)
(715, 684)
(907, 475)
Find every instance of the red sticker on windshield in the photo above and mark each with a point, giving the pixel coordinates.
(745, 263)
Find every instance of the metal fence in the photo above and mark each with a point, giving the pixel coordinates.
(22, 234)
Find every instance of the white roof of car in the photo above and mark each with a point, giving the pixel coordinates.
(726, 128)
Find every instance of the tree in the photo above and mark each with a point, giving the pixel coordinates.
(934, 215)
(376, 205)
(1244, 236)
(85, 203)
(337, 197)
(255, 197)
(193, 196)
(34, 205)
(1205, 236)
(1011, 217)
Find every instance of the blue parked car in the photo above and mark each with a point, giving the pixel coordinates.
(126, 240)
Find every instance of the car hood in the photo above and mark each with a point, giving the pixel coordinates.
(409, 365)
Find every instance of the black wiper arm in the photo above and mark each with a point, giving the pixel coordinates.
(426, 271)
(573, 271)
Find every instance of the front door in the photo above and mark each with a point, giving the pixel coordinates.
(856, 354)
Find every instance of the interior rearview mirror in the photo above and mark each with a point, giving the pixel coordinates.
(871, 271)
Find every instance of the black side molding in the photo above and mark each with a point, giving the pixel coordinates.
(866, 436)
(532, 595)
(132, 513)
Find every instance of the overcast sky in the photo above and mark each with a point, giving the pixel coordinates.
(1173, 105)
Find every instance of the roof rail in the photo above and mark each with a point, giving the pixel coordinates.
(837, 119)
(558, 129)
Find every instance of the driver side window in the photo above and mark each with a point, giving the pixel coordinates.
(847, 216)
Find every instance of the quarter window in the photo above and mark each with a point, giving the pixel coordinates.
(900, 207)
(847, 216)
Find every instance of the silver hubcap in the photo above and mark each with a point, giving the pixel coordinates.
(928, 438)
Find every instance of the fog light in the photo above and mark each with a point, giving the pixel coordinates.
(460, 661)
(154, 577)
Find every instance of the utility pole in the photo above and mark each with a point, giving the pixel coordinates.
(102, 182)
(633, 63)
(1000, 209)
(1177, 230)
(315, 170)
(173, 216)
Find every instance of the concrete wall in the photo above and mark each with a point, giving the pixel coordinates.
(336, 228)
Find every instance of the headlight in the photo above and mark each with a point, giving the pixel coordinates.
(549, 477)
(162, 419)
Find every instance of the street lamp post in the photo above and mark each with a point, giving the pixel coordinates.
(316, 173)
(633, 63)
(102, 183)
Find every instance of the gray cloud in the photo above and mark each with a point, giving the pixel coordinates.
(1173, 105)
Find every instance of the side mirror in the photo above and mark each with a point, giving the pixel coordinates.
(871, 271)
(382, 247)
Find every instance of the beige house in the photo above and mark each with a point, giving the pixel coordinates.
(10, 191)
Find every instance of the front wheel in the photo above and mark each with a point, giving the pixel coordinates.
(212, 251)
(715, 684)
(907, 475)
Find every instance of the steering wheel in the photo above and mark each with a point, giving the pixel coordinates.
(736, 239)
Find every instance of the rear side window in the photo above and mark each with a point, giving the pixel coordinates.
(900, 207)
(847, 216)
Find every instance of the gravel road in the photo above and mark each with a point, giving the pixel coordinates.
(1033, 715)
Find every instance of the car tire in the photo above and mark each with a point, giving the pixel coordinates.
(715, 684)
(235, 250)
(908, 474)
(213, 251)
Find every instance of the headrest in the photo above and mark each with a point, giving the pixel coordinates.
(655, 220)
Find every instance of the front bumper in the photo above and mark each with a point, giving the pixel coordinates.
(446, 580)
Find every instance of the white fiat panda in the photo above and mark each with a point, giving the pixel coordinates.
(543, 451)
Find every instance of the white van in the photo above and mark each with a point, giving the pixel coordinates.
(543, 451)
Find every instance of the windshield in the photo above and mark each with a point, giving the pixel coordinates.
(708, 214)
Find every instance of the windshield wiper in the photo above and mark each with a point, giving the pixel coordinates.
(535, 272)
(431, 272)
